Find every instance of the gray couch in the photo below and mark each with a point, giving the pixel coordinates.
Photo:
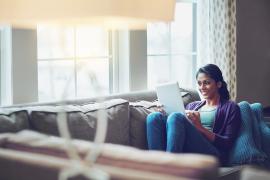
(35, 154)
(126, 116)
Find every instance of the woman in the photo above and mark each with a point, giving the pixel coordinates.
(209, 127)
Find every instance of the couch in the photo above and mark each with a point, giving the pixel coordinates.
(31, 149)
(126, 115)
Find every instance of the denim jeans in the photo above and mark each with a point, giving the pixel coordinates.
(174, 133)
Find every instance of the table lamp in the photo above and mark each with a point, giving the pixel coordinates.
(108, 13)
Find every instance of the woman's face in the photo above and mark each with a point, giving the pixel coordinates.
(208, 87)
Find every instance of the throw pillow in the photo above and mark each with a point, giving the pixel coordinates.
(82, 120)
(264, 129)
(13, 120)
(245, 150)
(44, 119)
(138, 113)
(117, 111)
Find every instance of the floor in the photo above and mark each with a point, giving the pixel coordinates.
(230, 173)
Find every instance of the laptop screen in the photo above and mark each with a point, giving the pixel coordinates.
(169, 96)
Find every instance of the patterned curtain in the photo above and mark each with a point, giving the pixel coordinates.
(217, 37)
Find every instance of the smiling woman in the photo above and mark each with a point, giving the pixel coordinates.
(211, 82)
(209, 127)
(207, 86)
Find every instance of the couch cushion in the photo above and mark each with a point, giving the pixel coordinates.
(13, 119)
(118, 119)
(193, 166)
(138, 113)
(82, 120)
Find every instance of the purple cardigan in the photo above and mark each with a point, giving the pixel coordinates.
(226, 124)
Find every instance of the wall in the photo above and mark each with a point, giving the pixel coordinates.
(123, 61)
(132, 56)
(24, 66)
(6, 63)
(0, 61)
(253, 51)
(138, 60)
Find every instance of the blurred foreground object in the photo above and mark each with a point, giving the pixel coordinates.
(132, 14)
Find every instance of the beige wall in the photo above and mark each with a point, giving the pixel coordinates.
(138, 60)
(24, 66)
(132, 61)
(253, 51)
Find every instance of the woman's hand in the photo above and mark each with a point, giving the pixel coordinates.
(161, 109)
(194, 117)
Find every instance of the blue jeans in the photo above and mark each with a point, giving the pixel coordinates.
(176, 134)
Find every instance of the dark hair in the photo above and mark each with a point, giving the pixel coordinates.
(215, 73)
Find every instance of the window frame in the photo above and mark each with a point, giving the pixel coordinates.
(193, 52)
(75, 59)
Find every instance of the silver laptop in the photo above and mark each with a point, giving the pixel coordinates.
(169, 96)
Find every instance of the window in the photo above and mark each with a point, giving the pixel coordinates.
(73, 62)
(171, 48)
(77, 61)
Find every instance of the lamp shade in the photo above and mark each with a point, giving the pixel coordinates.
(104, 12)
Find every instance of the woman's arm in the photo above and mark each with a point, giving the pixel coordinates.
(194, 117)
(208, 134)
(231, 130)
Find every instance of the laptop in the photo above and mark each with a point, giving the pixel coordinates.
(169, 96)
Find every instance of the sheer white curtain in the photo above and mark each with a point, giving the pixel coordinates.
(217, 37)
